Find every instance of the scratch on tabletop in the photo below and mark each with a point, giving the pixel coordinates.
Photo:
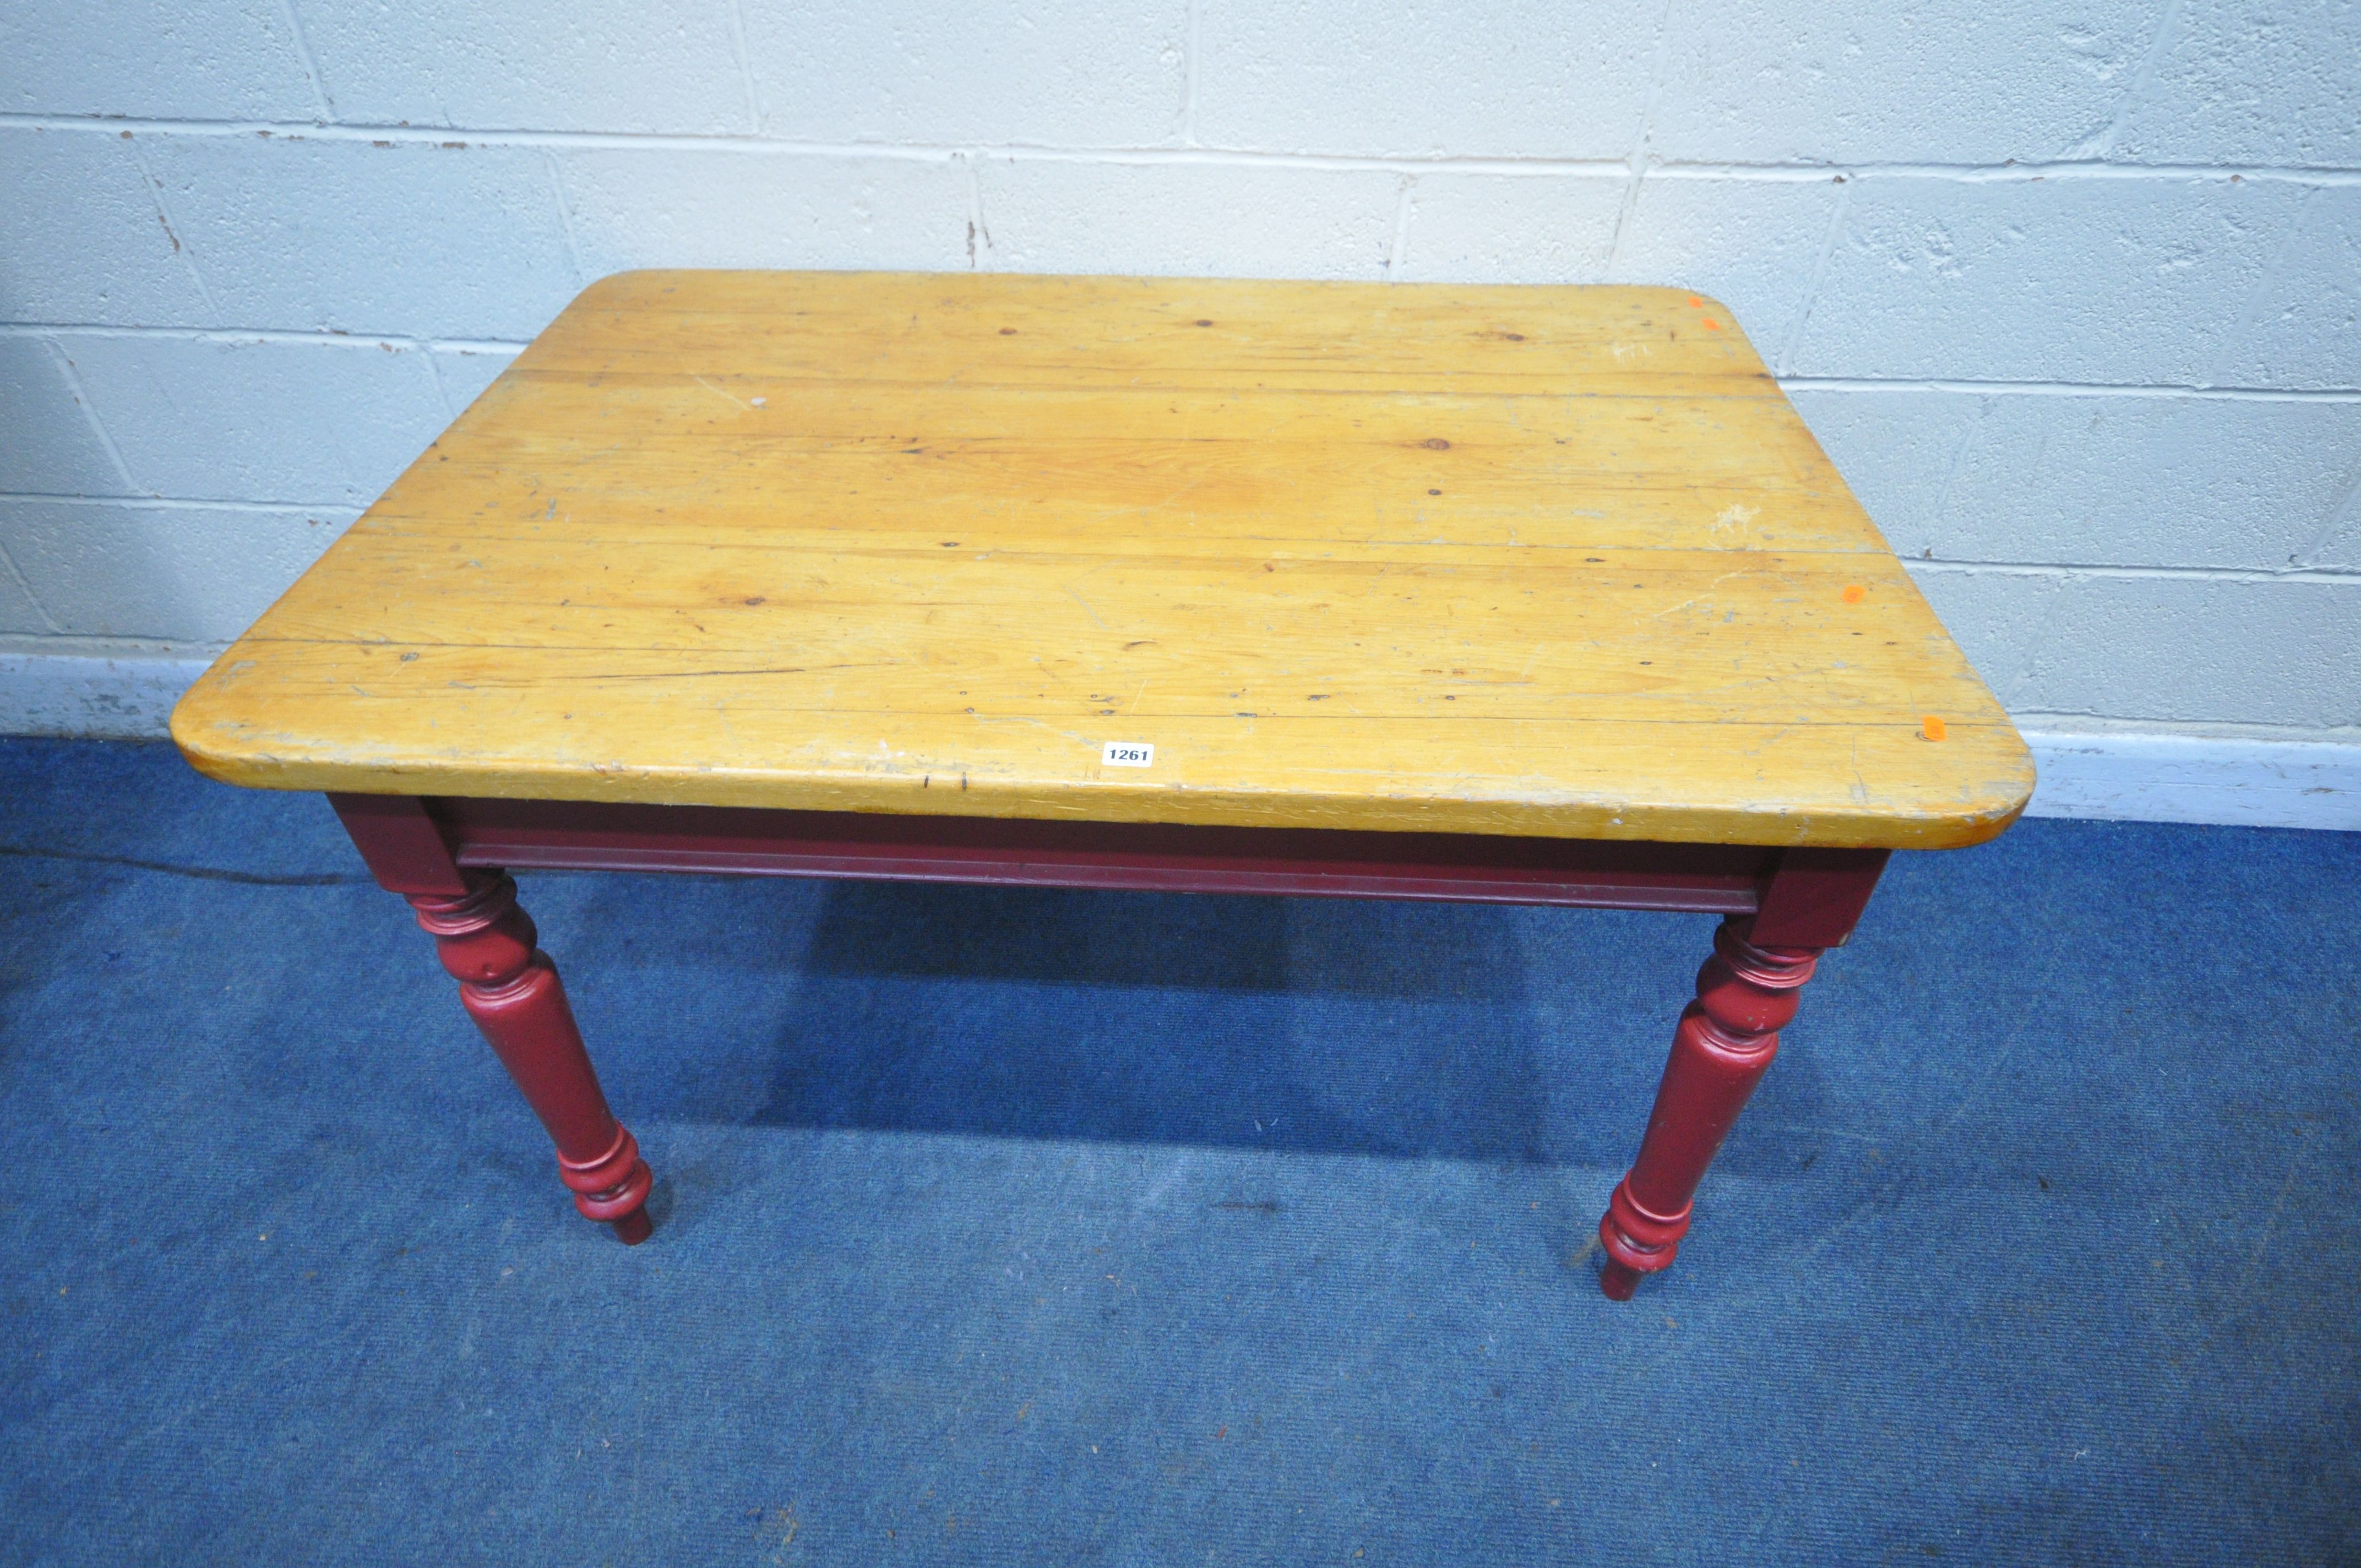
(716, 390)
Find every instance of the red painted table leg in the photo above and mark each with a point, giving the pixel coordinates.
(511, 991)
(439, 855)
(1726, 1038)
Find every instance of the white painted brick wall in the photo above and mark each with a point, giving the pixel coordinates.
(2076, 481)
(162, 571)
(160, 59)
(997, 72)
(1251, 221)
(1509, 78)
(715, 207)
(2307, 313)
(84, 240)
(2060, 649)
(2069, 279)
(49, 444)
(575, 65)
(1511, 228)
(2244, 81)
(2070, 289)
(430, 239)
(274, 421)
(1881, 82)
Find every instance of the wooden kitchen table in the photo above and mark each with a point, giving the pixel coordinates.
(1516, 595)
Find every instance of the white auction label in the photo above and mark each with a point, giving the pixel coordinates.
(1127, 754)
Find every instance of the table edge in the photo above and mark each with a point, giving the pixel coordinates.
(1972, 821)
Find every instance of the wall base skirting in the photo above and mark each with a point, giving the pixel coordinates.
(116, 698)
(2114, 774)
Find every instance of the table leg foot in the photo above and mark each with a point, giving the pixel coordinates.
(511, 990)
(1725, 1040)
(634, 1227)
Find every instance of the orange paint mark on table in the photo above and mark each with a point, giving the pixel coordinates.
(1854, 593)
(1930, 727)
(1712, 324)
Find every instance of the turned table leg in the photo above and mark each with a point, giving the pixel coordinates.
(1726, 1038)
(511, 991)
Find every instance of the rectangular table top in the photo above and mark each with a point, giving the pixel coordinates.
(1535, 561)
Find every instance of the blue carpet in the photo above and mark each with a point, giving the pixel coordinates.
(1028, 1227)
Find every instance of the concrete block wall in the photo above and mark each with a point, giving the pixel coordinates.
(2070, 289)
